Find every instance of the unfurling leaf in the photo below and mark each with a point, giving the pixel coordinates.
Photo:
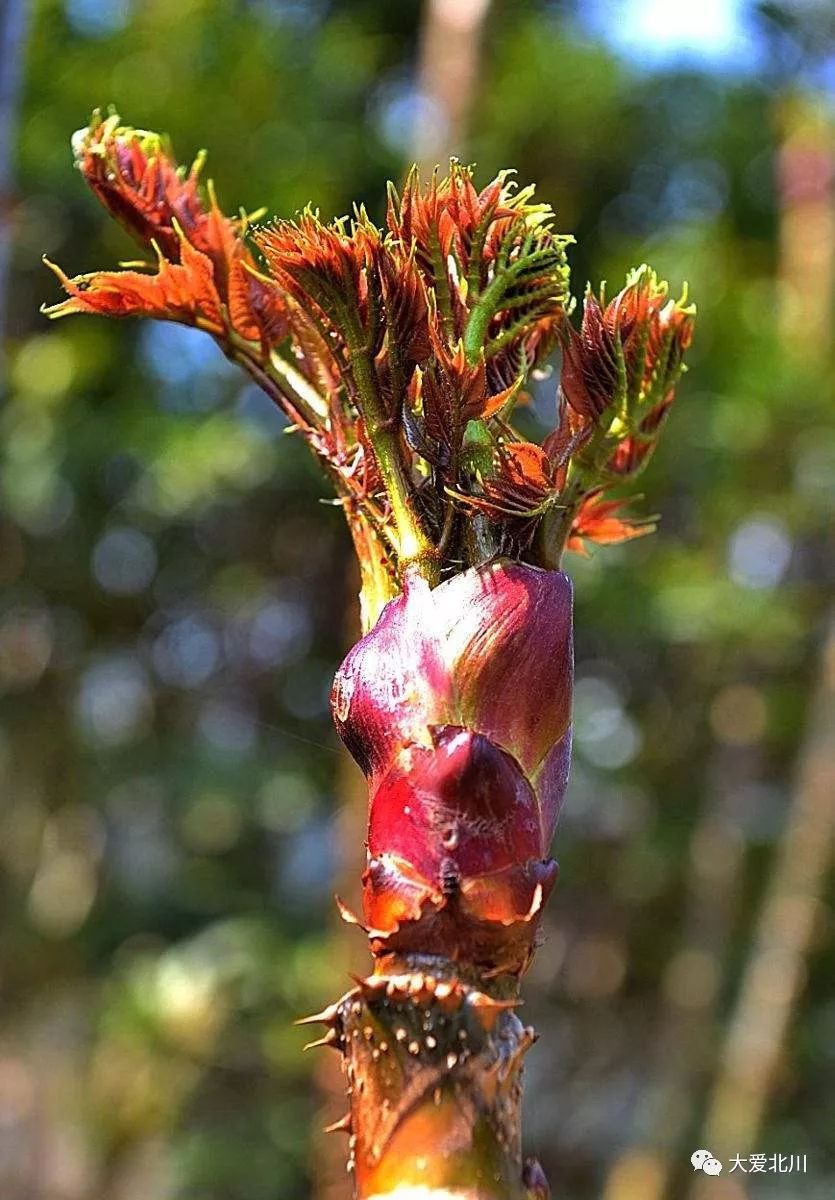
(401, 353)
(134, 175)
(205, 274)
(454, 392)
(598, 521)
(627, 355)
(329, 267)
(180, 291)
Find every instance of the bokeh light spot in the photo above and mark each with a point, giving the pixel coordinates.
(738, 715)
(124, 561)
(114, 704)
(759, 552)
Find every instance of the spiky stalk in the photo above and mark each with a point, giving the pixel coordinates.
(399, 356)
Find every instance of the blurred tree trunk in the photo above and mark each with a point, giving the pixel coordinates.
(784, 932)
(13, 22)
(450, 48)
(774, 977)
(748, 1066)
(691, 988)
(806, 183)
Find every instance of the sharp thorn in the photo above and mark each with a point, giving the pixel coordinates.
(482, 1000)
(345, 913)
(331, 1038)
(343, 1125)
(373, 985)
(536, 902)
(326, 1016)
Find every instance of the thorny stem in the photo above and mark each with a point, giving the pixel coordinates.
(433, 1058)
(275, 382)
(447, 528)
(301, 388)
(290, 392)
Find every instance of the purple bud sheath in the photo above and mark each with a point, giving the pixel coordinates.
(457, 706)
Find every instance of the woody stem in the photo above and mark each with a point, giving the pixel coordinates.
(433, 1056)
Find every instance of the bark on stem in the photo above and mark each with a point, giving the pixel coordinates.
(433, 1056)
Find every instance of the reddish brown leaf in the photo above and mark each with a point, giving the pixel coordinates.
(630, 456)
(523, 481)
(589, 376)
(257, 308)
(135, 176)
(183, 291)
(597, 521)
(407, 310)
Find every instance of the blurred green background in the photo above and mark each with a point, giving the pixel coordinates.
(176, 812)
